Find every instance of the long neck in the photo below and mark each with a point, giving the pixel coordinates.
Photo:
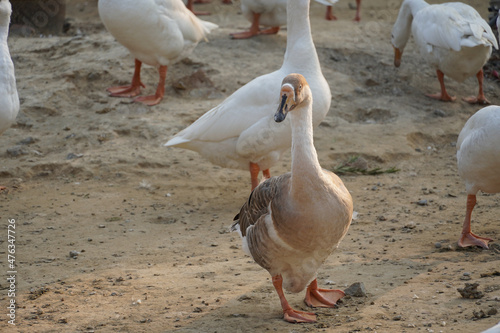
(402, 27)
(305, 165)
(300, 47)
(4, 27)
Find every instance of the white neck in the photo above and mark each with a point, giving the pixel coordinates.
(305, 165)
(402, 27)
(300, 49)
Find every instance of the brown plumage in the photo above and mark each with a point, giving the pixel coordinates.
(291, 223)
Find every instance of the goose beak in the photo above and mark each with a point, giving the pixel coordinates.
(284, 107)
(397, 56)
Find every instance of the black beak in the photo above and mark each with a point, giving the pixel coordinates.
(280, 114)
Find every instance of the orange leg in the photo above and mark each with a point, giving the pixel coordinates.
(323, 298)
(133, 89)
(160, 90)
(329, 14)
(480, 99)
(291, 315)
(254, 30)
(443, 96)
(2, 188)
(254, 174)
(468, 238)
(357, 18)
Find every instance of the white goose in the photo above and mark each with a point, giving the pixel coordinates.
(9, 100)
(291, 223)
(478, 160)
(156, 32)
(452, 38)
(240, 132)
(269, 13)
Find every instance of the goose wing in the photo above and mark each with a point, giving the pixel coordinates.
(255, 221)
(174, 12)
(452, 26)
(257, 205)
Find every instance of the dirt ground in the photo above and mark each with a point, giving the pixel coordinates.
(116, 233)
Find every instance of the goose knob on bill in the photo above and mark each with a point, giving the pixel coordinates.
(291, 223)
(156, 32)
(478, 161)
(452, 37)
(9, 99)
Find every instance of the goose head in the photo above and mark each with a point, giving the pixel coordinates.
(401, 30)
(294, 91)
(398, 41)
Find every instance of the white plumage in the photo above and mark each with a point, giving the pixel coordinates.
(156, 32)
(240, 132)
(494, 329)
(478, 160)
(451, 37)
(9, 100)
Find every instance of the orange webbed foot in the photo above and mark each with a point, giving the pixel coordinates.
(323, 298)
(469, 239)
(243, 35)
(476, 100)
(125, 91)
(442, 97)
(148, 100)
(251, 33)
(295, 316)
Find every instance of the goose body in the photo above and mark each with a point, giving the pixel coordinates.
(156, 32)
(268, 13)
(291, 223)
(451, 37)
(240, 132)
(9, 100)
(478, 160)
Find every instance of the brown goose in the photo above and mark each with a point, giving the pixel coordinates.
(292, 223)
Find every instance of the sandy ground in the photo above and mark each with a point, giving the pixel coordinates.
(116, 233)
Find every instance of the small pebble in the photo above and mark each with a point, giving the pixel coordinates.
(16, 151)
(492, 312)
(356, 289)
